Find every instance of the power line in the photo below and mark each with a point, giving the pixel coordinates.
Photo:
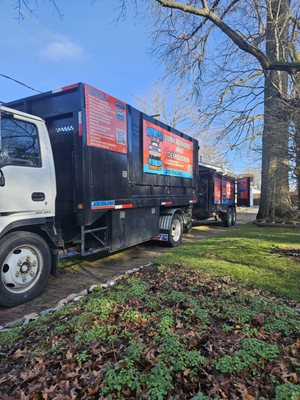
(36, 39)
(20, 83)
(70, 49)
(23, 48)
(18, 45)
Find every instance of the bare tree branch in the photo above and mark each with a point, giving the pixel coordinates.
(238, 39)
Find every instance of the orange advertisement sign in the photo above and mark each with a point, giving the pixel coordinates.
(217, 190)
(165, 153)
(105, 121)
(242, 188)
(227, 192)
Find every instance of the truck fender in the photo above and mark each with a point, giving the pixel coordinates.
(39, 226)
(22, 223)
(166, 217)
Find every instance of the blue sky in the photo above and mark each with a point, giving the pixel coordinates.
(88, 44)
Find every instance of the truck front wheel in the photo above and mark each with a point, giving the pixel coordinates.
(25, 262)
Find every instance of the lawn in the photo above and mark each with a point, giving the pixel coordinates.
(250, 254)
(175, 332)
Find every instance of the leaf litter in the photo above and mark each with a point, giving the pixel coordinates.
(162, 333)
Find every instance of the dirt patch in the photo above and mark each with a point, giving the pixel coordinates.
(290, 252)
(293, 225)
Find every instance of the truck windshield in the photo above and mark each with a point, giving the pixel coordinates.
(19, 142)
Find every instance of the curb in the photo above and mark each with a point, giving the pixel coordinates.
(71, 298)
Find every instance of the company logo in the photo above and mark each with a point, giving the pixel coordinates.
(68, 128)
(154, 151)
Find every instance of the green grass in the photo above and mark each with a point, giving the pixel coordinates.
(246, 254)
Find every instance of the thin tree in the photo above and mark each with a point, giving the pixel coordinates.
(175, 106)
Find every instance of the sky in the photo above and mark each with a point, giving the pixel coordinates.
(89, 44)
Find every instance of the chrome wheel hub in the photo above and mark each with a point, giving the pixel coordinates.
(176, 230)
(21, 268)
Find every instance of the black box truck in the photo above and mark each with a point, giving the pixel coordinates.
(219, 193)
(80, 168)
(216, 195)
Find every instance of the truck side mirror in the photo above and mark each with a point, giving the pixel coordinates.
(2, 178)
(4, 157)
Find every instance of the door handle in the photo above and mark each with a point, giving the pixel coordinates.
(38, 196)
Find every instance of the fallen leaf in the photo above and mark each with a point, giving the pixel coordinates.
(19, 353)
(69, 355)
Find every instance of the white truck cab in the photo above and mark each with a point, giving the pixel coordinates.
(27, 200)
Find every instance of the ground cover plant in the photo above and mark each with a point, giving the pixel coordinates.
(163, 333)
(267, 258)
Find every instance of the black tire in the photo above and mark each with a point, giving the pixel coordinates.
(233, 216)
(25, 264)
(188, 226)
(175, 231)
(227, 218)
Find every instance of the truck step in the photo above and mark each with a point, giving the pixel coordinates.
(95, 251)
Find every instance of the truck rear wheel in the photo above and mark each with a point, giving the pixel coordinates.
(233, 216)
(175, 231)
(25, 262)
(227, 218)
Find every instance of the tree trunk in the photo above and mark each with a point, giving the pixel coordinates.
(268, 169)
(275, 198)
(297, 155)
(296, 121)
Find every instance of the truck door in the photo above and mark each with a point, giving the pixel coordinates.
(203, 197)
(244, 192)
(25, 161)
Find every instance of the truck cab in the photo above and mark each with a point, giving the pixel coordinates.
(27, 204)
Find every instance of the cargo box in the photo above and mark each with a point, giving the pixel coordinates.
(216, 193)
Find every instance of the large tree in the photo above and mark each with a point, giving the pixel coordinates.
(294, 103)
(275, 200)
(260, 29)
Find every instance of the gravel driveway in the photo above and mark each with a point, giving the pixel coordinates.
(78, 275)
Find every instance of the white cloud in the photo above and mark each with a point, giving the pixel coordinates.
(62, 49)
